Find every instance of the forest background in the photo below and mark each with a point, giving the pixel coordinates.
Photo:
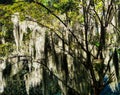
(81, 42)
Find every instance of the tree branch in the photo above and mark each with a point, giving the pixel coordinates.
(42, 63)
(63, 24)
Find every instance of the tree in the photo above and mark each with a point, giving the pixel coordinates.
(79, 42)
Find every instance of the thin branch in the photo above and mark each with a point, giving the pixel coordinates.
(97, 15)
(116, 28)
(19, 56)
(108, 64)
(44, 65)
(39, 3)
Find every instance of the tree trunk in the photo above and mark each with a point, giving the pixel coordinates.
(96, 91)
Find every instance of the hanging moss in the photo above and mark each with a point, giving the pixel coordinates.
(7, 70)
(14, 87)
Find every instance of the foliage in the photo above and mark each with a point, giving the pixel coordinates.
(5, 49)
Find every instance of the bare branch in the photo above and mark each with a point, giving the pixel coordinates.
(116, 28)
(42, 63)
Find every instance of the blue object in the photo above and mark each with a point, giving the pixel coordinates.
(108, 91)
